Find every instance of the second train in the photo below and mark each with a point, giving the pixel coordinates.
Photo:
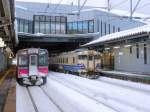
(85, 63)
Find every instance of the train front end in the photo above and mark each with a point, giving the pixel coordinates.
(32, 67)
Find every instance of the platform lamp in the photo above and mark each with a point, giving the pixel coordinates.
(2, 45)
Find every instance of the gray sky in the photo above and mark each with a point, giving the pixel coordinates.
(143, 7)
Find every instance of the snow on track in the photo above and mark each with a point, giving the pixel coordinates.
(72, 101)
(42, 101)
(33, 99)
(69, 93)
(123, 99)
(23, 101)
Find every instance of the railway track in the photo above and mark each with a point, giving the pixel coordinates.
(34, 100)
(95, 96)
(51, 99)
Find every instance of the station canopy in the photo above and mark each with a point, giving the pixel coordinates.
(120, 35)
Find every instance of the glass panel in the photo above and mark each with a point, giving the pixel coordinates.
(33, 60)
(91, 26)
(21, 25)
(57, 28)
(42, 27)
(36, 27)
(47, 27)
(63, 19)
(42, 18)
(53, 18)
(53, 27)
(36, 18)
(26, 27)
(85, 27)
(69, 26)
(57, 18)
(82, 57)
(75, 28)
(63, 28)
(80, 27)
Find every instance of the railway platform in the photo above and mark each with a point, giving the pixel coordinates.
(135, 77)
(7, 90)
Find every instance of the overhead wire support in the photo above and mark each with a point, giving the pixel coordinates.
(138, 2)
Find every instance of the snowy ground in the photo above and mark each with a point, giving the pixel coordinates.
(69, 93)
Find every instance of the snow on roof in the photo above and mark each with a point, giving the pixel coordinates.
(117, 12)
(120, 35)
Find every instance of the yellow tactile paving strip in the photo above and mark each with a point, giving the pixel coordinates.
(10, 71)
(3, 77)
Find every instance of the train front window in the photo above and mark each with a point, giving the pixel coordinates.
(23, 60)
(33, 60)
(43, 61)
(82, 57)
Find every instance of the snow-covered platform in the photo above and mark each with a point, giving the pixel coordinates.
(69, 93)
(127, 76)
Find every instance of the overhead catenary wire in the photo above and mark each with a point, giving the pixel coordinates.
(120, 3)
(146, 4)
(57, 6)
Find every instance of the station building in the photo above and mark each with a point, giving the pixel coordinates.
(127, 50)
(37, 18)
(128, 54)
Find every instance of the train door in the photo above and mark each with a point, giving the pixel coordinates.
(33, 69)
(91, 63)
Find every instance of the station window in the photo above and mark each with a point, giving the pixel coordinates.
(118, 29)
(75, 27)
(85, 27)
(50, 24)
(145, 54)
(42, 27)
(101, 28)
(114, 29)
(91, 26)
(137, 51)
(130, 49)
(105, 28)
(36, 27)
(80, 27)
(109, 28)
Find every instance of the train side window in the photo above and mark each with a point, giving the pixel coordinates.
(73, 60)
(97, 57)
(82, 57)
(90, 57)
